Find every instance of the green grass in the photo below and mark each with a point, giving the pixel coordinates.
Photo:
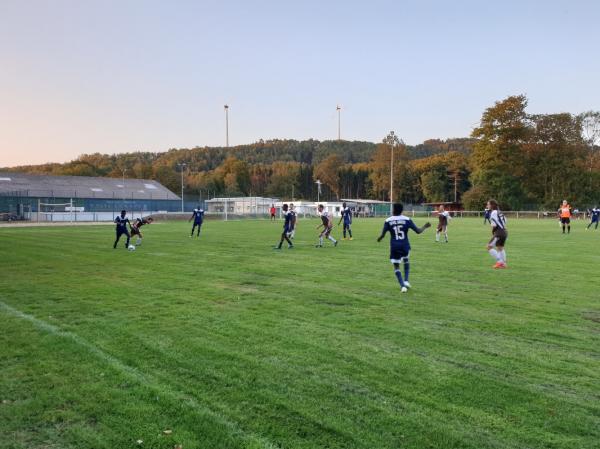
(230, 344)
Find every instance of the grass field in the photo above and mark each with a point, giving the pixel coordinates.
(229, 344)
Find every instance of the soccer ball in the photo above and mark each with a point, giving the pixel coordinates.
(131, 248)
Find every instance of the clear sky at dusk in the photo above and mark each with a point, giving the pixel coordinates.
(113, 76)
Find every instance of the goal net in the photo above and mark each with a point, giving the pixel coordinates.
(56, 211)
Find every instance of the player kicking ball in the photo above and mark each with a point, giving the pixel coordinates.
(135, 228)
(499, 235)
(398, 226)
(327, 225)
(122, 221)
(595, 217)
(443, 220)
(287, 227)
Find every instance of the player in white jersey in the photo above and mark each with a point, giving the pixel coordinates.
(294, 221)
(499, 235)
(327, 225)
(444, 218)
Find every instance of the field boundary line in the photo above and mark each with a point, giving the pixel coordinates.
(145, 379)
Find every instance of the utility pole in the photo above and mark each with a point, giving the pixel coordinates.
(392, 180)
(339, 111)
(226, 125)
(318, 183)
(182, 166)
(123, 170)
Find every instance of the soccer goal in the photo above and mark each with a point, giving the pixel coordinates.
(55, 211)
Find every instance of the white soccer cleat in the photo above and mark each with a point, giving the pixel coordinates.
(403, 290)
(406, 284)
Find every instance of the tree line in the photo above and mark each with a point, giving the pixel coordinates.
(523, 160)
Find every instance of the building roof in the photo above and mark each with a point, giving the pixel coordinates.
(243, 199)
(361, 201)
(83, 187)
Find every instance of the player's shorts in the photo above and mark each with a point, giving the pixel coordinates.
(499, 237)
(397, 255)
(135, 231)
(565, 220)
(326, 232)
(441, 228)
(121, 231)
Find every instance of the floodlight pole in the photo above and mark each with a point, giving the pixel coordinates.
(339, 109)
(318, 183)
(226, 125)
(124, 170)
(182, 166)
(392, 180)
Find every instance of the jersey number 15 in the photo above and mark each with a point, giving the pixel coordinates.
(399, 233)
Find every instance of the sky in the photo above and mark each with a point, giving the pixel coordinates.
(117, 76)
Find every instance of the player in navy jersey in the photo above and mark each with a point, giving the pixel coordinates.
(135, 228)
(287, 227)
(398, 226)
(198, 217)
(327, 225)
(346, 216)
(486, 215)
(595, 217)
(122, 221)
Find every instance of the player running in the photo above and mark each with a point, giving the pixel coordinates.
(346, 216)
(135, 228)
(287, 225)
(564, 213)
(499, 235)
(443, 220)
(198, 217)
(292, 232)
(327, 225)
(398, 226)
(122, 221)
(595, 217)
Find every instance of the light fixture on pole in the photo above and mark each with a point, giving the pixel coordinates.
(339, 111)
(226, 125)
(182, 166)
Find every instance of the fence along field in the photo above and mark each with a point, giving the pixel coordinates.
(225, 343)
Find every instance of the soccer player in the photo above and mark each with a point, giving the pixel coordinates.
(272, 212)
(292, 233)
(122, 221)
(346, 215)
(198, 217)
(135, 228)
(499, 235)
(443, 219)
(398, 226)
(486, 215)
(564, 213)
(327, 225)
(287, 224)
(595, 216)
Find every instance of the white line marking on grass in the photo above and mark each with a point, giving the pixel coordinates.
(144, 379)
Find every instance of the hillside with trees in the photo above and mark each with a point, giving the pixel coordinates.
(524, 160)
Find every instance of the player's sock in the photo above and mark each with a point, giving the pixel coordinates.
(437, 236)
(494, 254)
(503, 255)
(321, 241)
(399, 276)
(569, 229)
(350, 232)
(406, 269)
(138, 241)
(332, 239)
(446, 236)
